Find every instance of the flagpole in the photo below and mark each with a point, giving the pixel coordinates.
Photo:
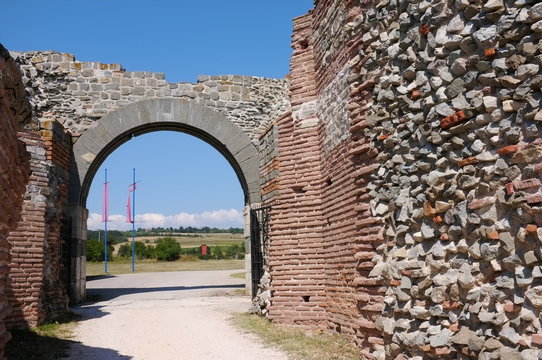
(133, 220)
(106, 219)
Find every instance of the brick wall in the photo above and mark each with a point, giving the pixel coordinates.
(352, 236)
(37, 279)
(323, 235)
(58, 151)
(27, 258)
(14, 170)
(368, 239)
(297, 258)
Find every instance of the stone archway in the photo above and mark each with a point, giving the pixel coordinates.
(119, 126)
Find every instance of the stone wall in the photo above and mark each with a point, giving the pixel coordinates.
(269, 163)
(421, 201)
(454, 113)
(79, 93)
(14, 170)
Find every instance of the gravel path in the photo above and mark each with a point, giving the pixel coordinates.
(178, 315)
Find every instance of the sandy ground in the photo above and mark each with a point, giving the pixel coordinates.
(178, 315)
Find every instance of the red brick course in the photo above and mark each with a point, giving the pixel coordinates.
(297, 264)
(38, 290)
(323, 236)
(14, 171)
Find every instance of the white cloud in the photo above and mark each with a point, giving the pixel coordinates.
(217, 218)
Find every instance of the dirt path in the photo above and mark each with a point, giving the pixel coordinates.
(181, 315)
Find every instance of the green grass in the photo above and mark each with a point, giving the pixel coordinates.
(124, 266)
(46, 342)
(188, 241)
(298, 344)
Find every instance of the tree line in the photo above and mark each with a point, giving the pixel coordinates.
(117, 236)
(165, 249)
(192, 230)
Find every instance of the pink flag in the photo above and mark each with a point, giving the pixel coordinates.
(129, 219)
(105, 203)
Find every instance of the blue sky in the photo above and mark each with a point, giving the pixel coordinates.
(183, 180)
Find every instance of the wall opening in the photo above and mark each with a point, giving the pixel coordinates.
(124, 126)
(186, 190)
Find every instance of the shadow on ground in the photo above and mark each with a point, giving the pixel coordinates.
(28, 345)
(98, 277)
(105, 294)
(91, 309)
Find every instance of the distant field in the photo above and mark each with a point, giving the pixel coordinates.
(192, 240)
(196, 240)
(125, 266)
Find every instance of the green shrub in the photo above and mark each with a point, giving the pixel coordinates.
(167, 249)
(235, 252)
(141, 250)
(190, 251)
(216, 252)
(95, 250)
(125, 250)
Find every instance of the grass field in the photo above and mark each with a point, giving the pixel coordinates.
(124, 266)
(196, 240)
(192, 240)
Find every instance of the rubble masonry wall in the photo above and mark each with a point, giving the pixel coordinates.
(421, 204)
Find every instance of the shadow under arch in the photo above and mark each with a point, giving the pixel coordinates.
(119, 126)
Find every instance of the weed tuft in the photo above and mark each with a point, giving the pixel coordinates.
(297, 343)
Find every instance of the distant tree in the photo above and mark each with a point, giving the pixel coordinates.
(233, 230)
(167, 249)
(113, 236)
(125, 250)
(143, 251)
(95, 250)
(94, 235)
(116, 237)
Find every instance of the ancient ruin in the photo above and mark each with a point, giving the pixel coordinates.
(401, 161)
